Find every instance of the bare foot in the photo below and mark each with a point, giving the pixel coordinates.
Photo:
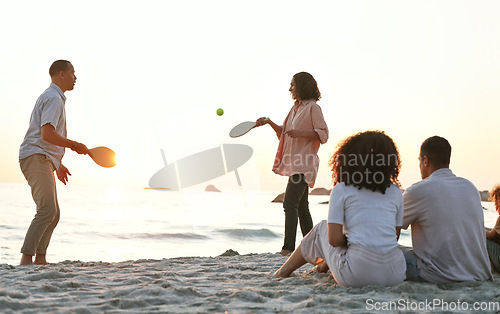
(493, 269)
(40, 259)
(295, 261)
(26, 259)
(280, 273)
(321, 268)
(284, 252)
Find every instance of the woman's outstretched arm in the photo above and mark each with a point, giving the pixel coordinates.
(278, 129)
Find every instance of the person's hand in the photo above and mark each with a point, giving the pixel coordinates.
(295, 133)
(261, 121)
(63, 173)
(80, 148)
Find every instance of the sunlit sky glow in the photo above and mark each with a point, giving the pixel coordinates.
(151, 75)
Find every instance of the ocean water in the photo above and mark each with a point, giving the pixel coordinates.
(113, 224)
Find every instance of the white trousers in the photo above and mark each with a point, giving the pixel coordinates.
(354, 265)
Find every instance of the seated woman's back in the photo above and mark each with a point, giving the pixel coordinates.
(369, 217)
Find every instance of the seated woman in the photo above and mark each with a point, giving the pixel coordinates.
(493, 235)
(359, 243)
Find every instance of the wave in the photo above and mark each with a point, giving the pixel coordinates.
(163, 236)
(8, 227)
(243, 234)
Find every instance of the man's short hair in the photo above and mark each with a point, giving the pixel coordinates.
(438, 151)
(58, 66)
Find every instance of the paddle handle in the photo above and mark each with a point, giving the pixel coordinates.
(263, 119)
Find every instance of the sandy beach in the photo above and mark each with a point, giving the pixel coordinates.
(236, 284)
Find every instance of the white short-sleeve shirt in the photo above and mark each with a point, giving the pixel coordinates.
(369, 217)
(447, 228)
(49, 109)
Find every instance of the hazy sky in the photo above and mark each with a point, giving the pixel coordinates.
(151, 75)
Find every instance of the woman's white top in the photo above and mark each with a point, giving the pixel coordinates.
(369, 218)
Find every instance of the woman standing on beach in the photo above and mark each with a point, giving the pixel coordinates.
(359, 243)
(493, 235)
(300, 136)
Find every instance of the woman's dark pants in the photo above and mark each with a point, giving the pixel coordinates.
(296, 207)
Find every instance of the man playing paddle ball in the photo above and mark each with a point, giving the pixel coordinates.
(40, 155)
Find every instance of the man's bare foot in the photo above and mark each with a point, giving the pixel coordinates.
(26, 259)
(284, 252)
(40, 259)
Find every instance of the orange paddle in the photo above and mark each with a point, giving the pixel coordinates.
(103, 156)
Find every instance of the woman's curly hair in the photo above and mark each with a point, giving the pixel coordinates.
(306, 86)
(495, 197)
(367, 160)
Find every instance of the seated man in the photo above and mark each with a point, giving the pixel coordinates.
(493, 235)
(447, 223)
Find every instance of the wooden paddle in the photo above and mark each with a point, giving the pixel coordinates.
(103, 156)
(242, 128)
